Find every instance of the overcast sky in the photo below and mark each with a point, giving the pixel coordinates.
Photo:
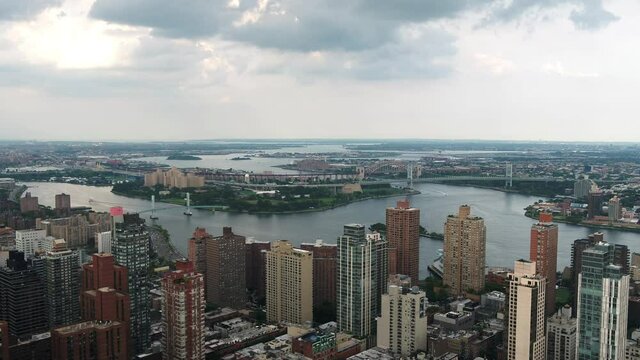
(433, 69)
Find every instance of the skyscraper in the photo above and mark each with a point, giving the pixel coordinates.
(225, 270)
(130, 247)
(325, 258)
(357, 284)
(544, 251)
(464, 252)
(104, 294)
(582, 188)
(29, 203)
(402, 328)
(197, 251)
(103, 241)
(183, 307)
(603, 296)
(30, 241)
(614, 209)
(620, 258)
(561, 335)
(381, 247)
(289, 284)
(594, 202)
(63, 204)
(22, 297)
(525, 315)
(103, 332)
(256, 267)
(62, 283)
(403, 235)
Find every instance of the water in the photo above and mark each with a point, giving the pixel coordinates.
(256, 164)
(507, 227)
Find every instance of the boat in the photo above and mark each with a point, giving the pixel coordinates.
(153, 217)
(437, 267)
(188, 213)
(241, 158)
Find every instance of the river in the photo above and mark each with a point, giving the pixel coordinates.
(507, 227)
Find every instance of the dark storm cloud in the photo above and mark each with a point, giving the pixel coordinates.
(11, 10)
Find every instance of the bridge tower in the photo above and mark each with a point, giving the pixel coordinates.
(153, 215)
(508, 181)
(410, 174)
(188, 211)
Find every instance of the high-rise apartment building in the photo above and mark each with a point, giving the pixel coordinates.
(130, 248)
(614, 209)
(197, 251)
(603, 296)
(562, 335)
(173, 178)
(525, 313)
(29, 203)
(594, 203)
(23, 303)
(325, 258)
(104, 294)
(289, 284)
(357, 282)
(403, 235)
(183, 305)
(76, 229)
(90, 340)
(103, 332)
(225, 270)
(402, 328)
(464, 252)
(543, 250)
(103, 242)
(63, 204)
(582, 188)
(381, 247)
(30, 241)
(620, 258)
(256, 267)
(62, 283)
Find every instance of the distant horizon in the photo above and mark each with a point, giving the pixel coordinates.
(337, 140)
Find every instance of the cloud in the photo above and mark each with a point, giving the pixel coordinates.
(592, 15)
(557, 68)
(494, 64)
(586, 15)
(12, 10)
(168, 18)
(71, 40)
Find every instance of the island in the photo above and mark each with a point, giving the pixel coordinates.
(240, 197)
(183, 157)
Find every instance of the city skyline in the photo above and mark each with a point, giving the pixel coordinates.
(292, 69)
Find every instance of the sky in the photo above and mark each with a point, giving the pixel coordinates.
(222, 69)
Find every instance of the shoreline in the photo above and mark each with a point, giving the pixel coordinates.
(593, 226)
(162, 244)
